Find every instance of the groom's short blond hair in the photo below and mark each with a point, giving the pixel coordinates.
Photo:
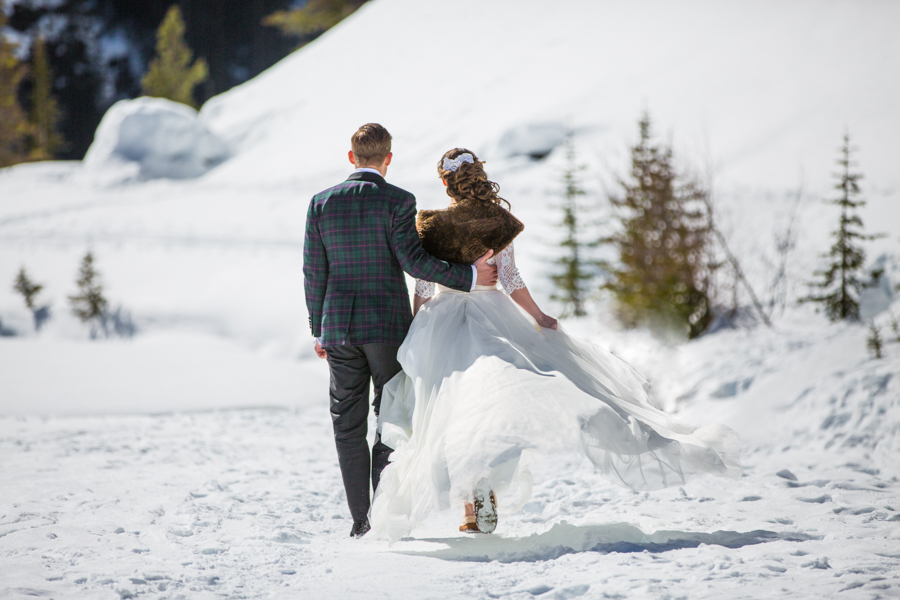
(371, 144)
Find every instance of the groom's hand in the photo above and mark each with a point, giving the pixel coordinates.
(487, 274)
(320, 351)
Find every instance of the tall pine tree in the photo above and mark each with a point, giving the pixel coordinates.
(14, 126)
(45, 115)
(574, 274)
(661, 277)
(840, 282)
(172, 74)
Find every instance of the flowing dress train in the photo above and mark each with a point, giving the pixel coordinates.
(484, 390)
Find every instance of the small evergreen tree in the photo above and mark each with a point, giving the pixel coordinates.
(895, 326)
(171, 74)
(572, 279)
(662, 243)
(14, 126)
(27, 288)
(313, 18)
(29, 291)
(89, 305)
(874, 343)
(841, 283)
(45, 115)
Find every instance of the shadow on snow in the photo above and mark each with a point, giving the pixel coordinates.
(564, 538)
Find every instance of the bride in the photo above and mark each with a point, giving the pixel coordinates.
(487, 386)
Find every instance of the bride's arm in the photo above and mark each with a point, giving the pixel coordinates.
(418, 301)
(523, 298)
(424, 292)
(512, 282)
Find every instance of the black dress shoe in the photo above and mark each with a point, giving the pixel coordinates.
(360, 528)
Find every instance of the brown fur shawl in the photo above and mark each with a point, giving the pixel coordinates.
(463, 233)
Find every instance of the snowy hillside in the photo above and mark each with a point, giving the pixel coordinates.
(122, 477)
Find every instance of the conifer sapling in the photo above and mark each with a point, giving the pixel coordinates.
(27, 288)
(572, 280)
(895, 326)
(89, 305)
(29, 291)
(874, 343)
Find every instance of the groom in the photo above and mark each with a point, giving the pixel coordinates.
(360, 238)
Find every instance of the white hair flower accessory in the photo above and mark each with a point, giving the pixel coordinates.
(454, 164)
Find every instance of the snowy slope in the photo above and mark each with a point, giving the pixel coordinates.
(186, 499)
(766, 86)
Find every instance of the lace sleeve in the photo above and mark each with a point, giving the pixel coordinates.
(507, 272)
(424, 289)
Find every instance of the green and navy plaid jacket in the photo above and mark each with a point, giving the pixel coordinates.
(360, 237)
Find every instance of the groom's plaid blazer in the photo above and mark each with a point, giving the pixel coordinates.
(360, 237)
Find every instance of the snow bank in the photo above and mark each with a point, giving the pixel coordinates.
(535, 140)
(151, 138)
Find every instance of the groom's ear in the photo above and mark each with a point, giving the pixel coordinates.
(387, 159)
(351, 157)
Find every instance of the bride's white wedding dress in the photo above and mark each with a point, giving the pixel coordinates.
(484, 390)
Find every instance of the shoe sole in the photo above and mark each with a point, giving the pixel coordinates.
(485, 511)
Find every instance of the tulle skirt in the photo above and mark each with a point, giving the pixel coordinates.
(484, 391)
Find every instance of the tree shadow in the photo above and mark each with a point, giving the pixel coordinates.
(564, 538)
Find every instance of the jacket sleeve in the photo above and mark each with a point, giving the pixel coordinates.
(315, 271)
(408, 249)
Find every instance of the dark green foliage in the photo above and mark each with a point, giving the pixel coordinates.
(313, 18)
(14, 126)
(572, 280)
(27, 288)
(874, 343)
(29, 291)
(840, 282)
(89, 305)
(45, 115)
(661, 279)
(171, 73)
(895, 326)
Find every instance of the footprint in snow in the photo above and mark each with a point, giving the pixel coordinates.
(785, 474)
(817, 500)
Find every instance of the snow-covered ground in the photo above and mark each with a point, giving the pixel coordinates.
(196, 460)
(248, 503)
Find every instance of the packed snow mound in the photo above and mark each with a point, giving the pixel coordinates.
(150, 138)
(535, 140)
(881, 291)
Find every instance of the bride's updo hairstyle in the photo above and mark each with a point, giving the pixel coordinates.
(469, 181)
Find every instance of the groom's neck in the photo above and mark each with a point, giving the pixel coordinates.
(380, 168)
